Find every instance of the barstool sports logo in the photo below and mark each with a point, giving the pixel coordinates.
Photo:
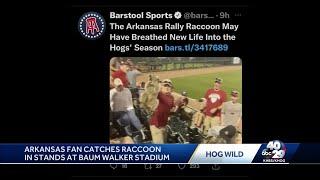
(91, 25)
(274, 152)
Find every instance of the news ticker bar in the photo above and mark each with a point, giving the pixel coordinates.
(272, 152)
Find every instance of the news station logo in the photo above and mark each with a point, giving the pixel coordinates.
(274, 152)
(91, 25)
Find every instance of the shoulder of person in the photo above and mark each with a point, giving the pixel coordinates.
(113, 90)
(209, 90)
(114, 73)
(137, 71)
(227, 102)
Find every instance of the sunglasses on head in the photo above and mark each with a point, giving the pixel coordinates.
(234, 94)
(218, 80)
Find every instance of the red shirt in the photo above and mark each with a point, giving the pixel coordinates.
(122, 76)
(160, 116)
(214, 100)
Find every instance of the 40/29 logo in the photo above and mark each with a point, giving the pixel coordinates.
(274, 150)
(91, 25)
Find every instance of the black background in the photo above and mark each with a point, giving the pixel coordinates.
(53, 84)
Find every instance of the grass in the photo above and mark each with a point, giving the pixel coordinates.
(196, 86)
(186, 66)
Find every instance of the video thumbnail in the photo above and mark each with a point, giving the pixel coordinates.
(175, 100)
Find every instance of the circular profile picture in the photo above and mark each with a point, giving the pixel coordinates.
(91, 25)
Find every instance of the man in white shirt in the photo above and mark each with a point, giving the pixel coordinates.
(121, 105)
(231, 112)
(231, 115)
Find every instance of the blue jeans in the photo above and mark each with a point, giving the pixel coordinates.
(130, 116)
(126, 119)
(122, 124)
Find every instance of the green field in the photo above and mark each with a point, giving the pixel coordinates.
(196, 86)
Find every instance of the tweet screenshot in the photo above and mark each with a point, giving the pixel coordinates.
(155, 92)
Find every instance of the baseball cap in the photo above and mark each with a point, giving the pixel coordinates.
(167, 82)
(124, 63)
(218, 80)
(117, 82)
(234, 93)
(130, 62)
(228, 132)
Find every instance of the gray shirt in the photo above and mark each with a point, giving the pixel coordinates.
(231, 113)
(132, 76)
(120, 100)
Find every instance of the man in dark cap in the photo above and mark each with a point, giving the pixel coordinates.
(133, 73)
(114, 64)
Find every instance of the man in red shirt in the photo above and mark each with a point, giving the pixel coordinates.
(212, 111)
(121, 73)
(159, 118)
